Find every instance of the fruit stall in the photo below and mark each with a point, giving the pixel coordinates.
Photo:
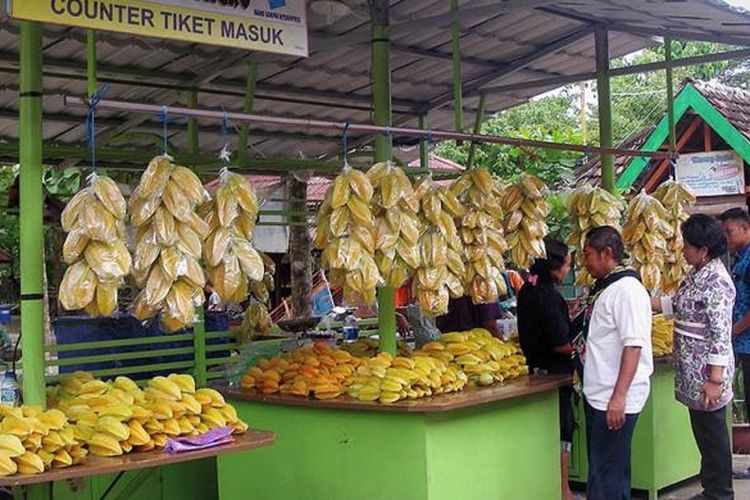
(175, 410)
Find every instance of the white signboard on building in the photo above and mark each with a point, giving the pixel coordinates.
(716, 173)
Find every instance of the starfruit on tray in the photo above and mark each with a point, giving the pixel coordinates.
(398, 227)
(590, 207)
(525, 212)
(169, 238)
(675, 197)
(345, 231)
(482, 242)
(646, 232)
(94, 248)
(232, 262)
(438, 278)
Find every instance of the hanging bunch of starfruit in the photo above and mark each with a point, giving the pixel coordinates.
(232, 262)
(169, 236)
(525, 212)
(95, 248)
(481, 231)
(646, 232)
(675, 197)
(441, 271)
(590, 207)
(397, 225)
(345, 232)
(256, 319)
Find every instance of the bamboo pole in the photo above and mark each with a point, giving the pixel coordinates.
(605, 109)
(670, 98)
(91, 82)
(477, 128)
(458, 107)
(382, 140)
(424, 148)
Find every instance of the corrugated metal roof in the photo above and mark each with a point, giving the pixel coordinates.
(497, 45)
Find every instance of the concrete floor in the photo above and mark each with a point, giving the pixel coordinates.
(692, 487)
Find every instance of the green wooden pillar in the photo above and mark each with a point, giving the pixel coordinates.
(91, 82)
(381, 103)
(31, 210)
(458, 111)
(252, 77)
(424, 147)
(477, 128)
(670, 95)
(605, 106)
(199, 328)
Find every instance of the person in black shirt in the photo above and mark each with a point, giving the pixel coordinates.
(544, 331)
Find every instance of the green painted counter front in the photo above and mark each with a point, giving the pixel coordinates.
(507, 449)
(664, 450)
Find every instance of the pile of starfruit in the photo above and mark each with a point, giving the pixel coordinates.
(345, 232)
(646, 232)
(169, 237)
(397, 226)
(525, 228)
(32, 441)
(117, 416)
(590, 207)
(95, 248)
(675, 197)
(231, 260)
(481, 231)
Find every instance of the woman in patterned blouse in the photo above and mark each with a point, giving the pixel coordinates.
(703, 361)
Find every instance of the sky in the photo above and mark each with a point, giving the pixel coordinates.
(745, 4)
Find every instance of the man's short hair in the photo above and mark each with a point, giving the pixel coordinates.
(603, 237)
(736, 214)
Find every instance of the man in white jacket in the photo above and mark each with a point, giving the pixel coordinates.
(617, 363)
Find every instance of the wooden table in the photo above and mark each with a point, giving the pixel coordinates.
(468, 398)
(484, 442)
(94, 465)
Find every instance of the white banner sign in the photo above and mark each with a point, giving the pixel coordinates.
(716, 173)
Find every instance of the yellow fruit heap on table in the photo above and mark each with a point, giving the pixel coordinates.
(117, 416)
(232, 262)
(395, 207)
(441, 271)
(525, 211)
(367, 348)
(388, 379)
(95, 248)
(674, 196)
(318, 370)
(662, 335)
(484, 358)
(481, 231)
(169, 237)
(588, 208)
(345, 232)
(645, 234)
(32, 441)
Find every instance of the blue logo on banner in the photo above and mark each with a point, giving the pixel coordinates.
(276, 4)
(322, 302)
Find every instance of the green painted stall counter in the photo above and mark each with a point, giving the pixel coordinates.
(151, 475)
(492, 442)
(664, 451)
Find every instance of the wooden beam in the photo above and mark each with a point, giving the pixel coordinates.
(707, 146)
(664, 165)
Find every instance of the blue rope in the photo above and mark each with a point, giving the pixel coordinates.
(345, 141)
(164, 124)
(91, 120)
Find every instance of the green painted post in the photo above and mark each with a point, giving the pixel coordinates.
(31, 209)
(458, 107)
(381, 97)
(670, 95)
(424, 147)
(199, 328)
(252, 78)
(91, 82)
(477, 128)
(605, 106)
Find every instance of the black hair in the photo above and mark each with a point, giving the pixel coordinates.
(703, 231)
(603, 237)
(736, 215)
(557, 252)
